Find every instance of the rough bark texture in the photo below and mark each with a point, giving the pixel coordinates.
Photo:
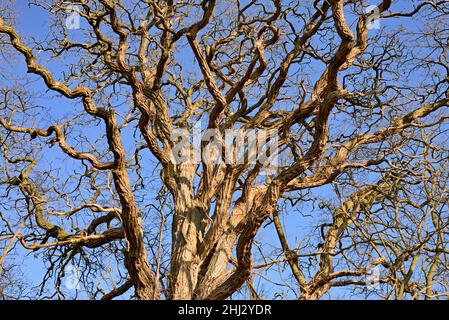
(243, 67)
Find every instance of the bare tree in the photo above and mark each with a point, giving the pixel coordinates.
(351, 194)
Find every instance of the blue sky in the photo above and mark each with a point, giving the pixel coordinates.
(34, 23)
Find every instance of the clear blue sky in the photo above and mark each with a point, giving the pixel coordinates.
(33, 23)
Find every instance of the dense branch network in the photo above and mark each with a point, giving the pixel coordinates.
(340, 100)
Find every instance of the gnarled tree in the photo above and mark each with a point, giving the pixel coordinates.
(354, 97)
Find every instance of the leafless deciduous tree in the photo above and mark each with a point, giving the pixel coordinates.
(354, 97)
